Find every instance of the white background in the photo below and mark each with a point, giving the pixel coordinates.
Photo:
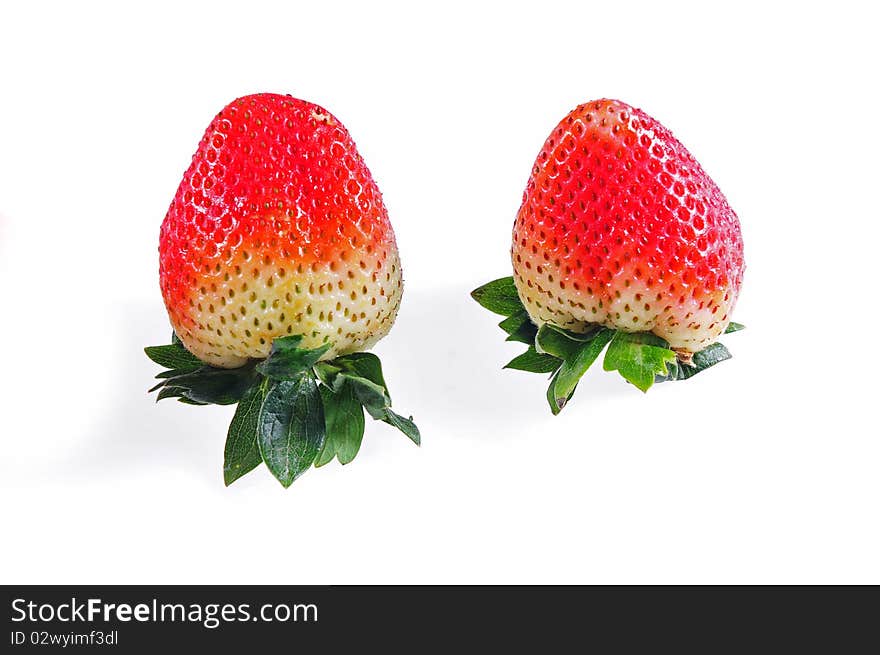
(765, 469)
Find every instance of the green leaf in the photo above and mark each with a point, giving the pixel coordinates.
(555, 401)
(242, 452)
(708, 356)
(734, 327)
(327, 372)
(514, 322)
(639, 357)
(555, 341)
(328, 448)
(291, 427)
(576, 364)
(580, 351)
(362, 372)
(344, 421)
(187, 401)
(499, 296)
(364, 365)
(209, 385)
(534, 362)
(519, 327)
(174, 356)
(172, 373)
(169, 392)
(405, 425)
(287, 360)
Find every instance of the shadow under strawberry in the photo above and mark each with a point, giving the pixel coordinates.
(624, 242)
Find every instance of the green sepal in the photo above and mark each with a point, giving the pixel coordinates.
(209, 385)
(327, 372)
(405, 425)
(242, 452)
(328, 450)
(171, 373)
(363, 372)
(639, 357)
(167, 392)
(363, 365)
(574, 366)
(370, 395)
(553, 398)
(290, 428)
(344, 422)
(534, 362)
(519, 327)
(187, 401)
(287, 360)
(561, 343)
(174, 356)
(708, 356)
(499, 296)
(284, 416)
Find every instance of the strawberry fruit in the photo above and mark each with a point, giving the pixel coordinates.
(622, 240)
(278, 267)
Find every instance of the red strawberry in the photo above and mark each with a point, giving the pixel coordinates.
(621, 227)
(277, 228)
(278, 264)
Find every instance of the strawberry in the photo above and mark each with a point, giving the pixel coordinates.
(277, 247)
(621, 238)
(277, 228)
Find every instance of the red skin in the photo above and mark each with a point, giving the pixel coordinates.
(269, 189)
(276, 188)
(616, 203)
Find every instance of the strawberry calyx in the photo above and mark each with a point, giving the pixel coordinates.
(293, 409)
(642, 358)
